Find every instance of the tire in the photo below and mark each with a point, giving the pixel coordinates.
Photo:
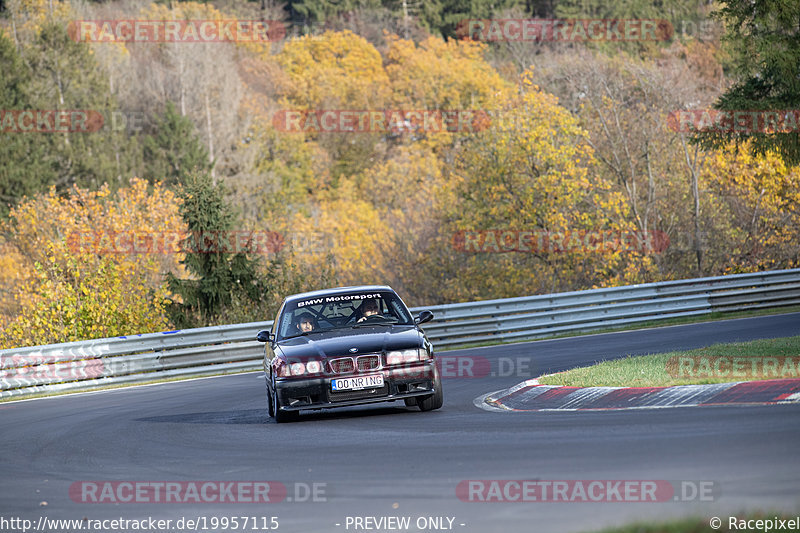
(435, 400)
(270, 407)
(277, 414)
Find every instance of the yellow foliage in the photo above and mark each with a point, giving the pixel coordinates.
(357, 233)
(31, 15)
(335, 70)
(438, 74)
(69, 303)
(533, 170)
(761, 197)
(70, 283)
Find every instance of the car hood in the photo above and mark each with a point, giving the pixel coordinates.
(337, 343)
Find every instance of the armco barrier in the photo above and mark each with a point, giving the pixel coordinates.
(228, 349)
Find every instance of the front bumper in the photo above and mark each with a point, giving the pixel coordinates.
(297, 394)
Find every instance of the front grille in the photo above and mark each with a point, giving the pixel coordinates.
(342, 365)
(368, 362)
(359, 394)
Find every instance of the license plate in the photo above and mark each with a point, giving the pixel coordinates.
(357, 383)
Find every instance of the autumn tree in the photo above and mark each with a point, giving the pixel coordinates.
(336, 71)
(439, 74)
(758, 218)
(530, 170)
(75, 270)
(408, 194)
(623, 102)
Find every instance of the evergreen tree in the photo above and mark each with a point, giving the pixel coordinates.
(311, 12)
(69, 78)
(764, 39)
(23, 166)
(454, 13)
(173, 151)
(222, 277)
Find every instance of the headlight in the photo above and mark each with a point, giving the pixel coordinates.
(299, 369)
(283, 370)
(399, 357)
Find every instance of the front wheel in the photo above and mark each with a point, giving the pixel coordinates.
(270, 407)
(275, 408)
(435, 400)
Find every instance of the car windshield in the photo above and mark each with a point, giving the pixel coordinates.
(344, 310)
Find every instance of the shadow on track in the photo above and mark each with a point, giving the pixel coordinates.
(245, 416)
(259, 416)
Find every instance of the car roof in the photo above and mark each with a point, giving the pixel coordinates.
(339, 290)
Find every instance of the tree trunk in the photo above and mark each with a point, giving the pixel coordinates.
(696, 195)
(210, 137)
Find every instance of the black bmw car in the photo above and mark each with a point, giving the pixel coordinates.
(348, 346)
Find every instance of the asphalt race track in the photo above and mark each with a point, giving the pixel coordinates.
(392, 461)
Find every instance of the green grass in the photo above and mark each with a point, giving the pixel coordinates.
(702, 525)
(663, 370)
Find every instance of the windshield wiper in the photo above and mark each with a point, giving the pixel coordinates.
(303, 334)
(306, 333)
(384, 322)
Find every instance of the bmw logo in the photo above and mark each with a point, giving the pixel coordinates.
(353, 350)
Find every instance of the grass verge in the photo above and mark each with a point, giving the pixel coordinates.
(720, 363)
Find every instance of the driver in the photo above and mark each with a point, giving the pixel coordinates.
(305, 323)
(369, 308)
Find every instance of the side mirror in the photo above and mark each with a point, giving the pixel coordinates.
(264, 336)
(424, 316)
